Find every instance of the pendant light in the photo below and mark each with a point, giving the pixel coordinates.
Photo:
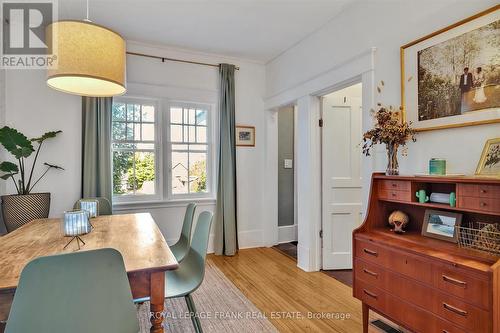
(90, 59)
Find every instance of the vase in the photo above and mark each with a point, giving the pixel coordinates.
(20, 209)
(392, 160)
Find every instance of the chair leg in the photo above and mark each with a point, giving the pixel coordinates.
(194, 314)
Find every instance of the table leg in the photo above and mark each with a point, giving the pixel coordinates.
(157, 292)
(366, 311)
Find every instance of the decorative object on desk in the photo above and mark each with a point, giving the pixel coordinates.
(456, 82)
(437, 166)
(245, 136)
(89, 205)
(398, 220)
(453, 199)
(480, 236)
(489, 164)
(422, 196)
(441, 225)
(390, 130)
(75, 224)
(443, 198)
(24, 206)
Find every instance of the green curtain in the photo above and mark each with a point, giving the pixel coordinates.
(96, 147)
(226, 235)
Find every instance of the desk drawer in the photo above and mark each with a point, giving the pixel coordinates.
(479, 191)
(473, 319)
(410, 266)
(395, 195)
(370, 273)
(442, 326)
(370, 252)
(370, 295)
(455, 282)
(399, 185)
(483, 204)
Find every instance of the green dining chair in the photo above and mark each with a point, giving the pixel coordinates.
(78, 292)
(188, 277)
(181, 248)
(183, 281)
(104, 205)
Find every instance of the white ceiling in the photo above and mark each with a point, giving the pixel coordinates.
(254, 29)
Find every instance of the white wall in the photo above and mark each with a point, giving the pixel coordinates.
(33, 108)
(386, 25)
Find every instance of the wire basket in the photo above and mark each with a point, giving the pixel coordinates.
(480, 236)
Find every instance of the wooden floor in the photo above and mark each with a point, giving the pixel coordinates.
(273, 282)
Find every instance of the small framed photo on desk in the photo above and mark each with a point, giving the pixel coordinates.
(441, 225)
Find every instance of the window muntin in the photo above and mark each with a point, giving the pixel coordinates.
(189, 149)
(134, 147)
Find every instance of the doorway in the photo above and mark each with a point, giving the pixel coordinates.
(287, 223)
(341, 134)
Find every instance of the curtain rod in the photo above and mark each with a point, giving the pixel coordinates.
(163, 59)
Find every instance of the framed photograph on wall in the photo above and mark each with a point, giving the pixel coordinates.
(451, 78)
(245, 136)
(489, 164)
(441, 225)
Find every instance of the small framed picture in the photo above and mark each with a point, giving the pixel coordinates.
(245, 136)
(489, 164)
(441, 225)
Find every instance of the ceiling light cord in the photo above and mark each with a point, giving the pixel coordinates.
(87, 16)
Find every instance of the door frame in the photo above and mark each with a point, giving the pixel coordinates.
(306, 96)
(342, 85)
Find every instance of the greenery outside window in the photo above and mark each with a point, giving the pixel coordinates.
(134, 137)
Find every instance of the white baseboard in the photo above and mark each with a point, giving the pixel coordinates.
(287, 233)
(246, 240)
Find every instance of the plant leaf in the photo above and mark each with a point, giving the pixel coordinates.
(53, 166)
(15, 142)
(48, 135)
(7, 176)
(9, 167)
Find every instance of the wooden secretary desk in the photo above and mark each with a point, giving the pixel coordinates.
(421, 283)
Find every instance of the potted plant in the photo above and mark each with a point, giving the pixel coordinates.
(20, 208)
(391, 130)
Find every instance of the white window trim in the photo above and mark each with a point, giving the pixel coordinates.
(164, 196)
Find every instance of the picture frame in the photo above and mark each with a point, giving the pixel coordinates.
(441, 225)
(245, 136)
(436, 90)
(489, 163)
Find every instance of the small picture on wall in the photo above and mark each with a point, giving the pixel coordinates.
(245, 136)
(441, 225)
(489, 164)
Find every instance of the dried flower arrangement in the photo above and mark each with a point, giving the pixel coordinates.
(391, 130)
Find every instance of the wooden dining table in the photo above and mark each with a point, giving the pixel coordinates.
(145, 253)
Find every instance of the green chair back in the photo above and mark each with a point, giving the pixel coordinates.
(189, 276)
(80, 292)
(104, 205)
(181, 248)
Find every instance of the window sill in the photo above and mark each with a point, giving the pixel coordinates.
(128, 206)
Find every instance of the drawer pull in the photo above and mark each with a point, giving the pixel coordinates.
(370, 294)
(394, 185)
(370, 252)
(482, 204)
(454, 309)
(394, 194)
(370, 272)
(454, 281)
(445, 331)
(483, 191)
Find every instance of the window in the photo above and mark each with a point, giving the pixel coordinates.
(134, 147)
(161, 153)
(189, 149)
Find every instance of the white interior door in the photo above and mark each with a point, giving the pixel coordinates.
(341, 175)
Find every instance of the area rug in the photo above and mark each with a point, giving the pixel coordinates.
(221, 307)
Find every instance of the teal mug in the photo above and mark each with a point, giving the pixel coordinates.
(422, 196)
